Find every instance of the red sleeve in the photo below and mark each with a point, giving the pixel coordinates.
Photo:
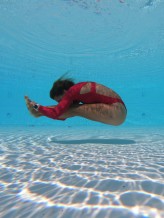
(58, 110)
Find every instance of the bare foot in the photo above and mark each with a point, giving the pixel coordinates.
(32, 111)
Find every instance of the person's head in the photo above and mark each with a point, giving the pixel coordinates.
(60, 87)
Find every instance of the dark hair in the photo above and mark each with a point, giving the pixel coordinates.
(60, 85)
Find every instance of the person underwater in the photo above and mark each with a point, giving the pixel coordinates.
(90, 100)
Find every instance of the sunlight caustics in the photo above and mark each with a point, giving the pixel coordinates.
(83, 178)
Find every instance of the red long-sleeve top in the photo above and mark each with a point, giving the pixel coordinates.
(73, 95)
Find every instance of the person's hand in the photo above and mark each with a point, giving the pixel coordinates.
(30, 105)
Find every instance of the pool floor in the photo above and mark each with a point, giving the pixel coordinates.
(81, 172)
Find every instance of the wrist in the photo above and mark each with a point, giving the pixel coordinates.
(36, 107)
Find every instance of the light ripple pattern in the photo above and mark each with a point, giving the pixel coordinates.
(75, 172)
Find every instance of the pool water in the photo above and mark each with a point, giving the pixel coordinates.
(119, 44)
(80, 168)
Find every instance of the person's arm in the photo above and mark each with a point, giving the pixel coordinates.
(55, 111)
(51, 111)
(30, 105)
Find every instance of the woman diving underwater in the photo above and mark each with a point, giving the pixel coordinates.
(90, 100)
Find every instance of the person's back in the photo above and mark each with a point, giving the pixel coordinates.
(91, 92)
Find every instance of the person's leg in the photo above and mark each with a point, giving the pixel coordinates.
(110, 114)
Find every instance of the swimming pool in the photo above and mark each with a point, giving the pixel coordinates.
(79, 168)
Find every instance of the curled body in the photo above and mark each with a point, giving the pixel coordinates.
(89, 100)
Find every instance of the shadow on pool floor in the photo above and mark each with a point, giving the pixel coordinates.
(96, 141)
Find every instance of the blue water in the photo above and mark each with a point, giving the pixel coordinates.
(120, 45)
(80, 168)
